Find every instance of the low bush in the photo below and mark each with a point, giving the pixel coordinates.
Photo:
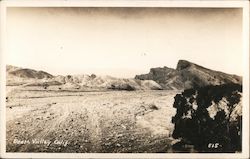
(216, 131)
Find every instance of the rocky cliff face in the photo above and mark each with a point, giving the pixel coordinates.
(188, 75)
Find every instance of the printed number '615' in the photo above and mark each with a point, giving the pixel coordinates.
(213, 145)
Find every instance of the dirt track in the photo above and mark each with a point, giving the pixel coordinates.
(113, 121)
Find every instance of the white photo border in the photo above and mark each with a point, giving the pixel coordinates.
(244, 5)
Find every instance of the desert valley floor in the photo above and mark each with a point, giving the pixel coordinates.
(55, 120)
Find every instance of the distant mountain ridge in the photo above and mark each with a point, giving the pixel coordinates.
(188, 75)
(17, 76)
(27, 73)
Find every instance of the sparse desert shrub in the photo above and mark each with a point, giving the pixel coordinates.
(45, 85)
(93, 76)
(153, 107)
(126, 87)
(206, 119)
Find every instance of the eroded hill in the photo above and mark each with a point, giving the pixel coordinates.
(188, 75)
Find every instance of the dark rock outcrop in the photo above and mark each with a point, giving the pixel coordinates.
(188, 75)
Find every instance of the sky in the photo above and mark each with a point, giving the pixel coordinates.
(123, 42)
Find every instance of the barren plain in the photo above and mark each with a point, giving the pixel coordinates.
(53, 120)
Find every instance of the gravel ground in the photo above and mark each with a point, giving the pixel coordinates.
(108, 121)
